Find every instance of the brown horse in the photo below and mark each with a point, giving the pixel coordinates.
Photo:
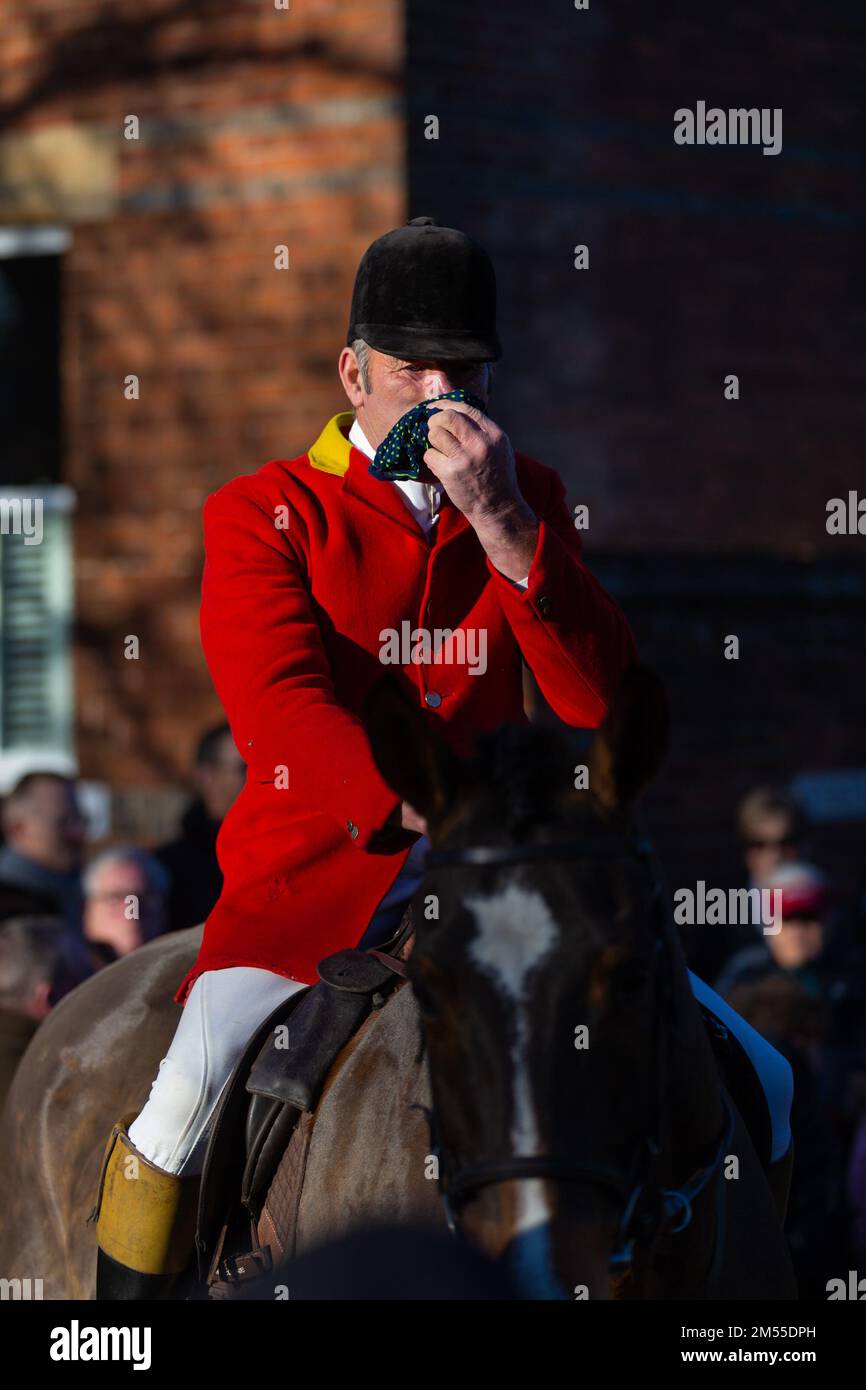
(91, 1060)
(578, 1128)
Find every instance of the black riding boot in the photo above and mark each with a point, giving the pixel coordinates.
(145, 1226)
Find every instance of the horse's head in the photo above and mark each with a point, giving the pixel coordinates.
(537, 976)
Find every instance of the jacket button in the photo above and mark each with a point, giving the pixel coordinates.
(544, 606)
(249, 743)
(352, 829)
(432, 699)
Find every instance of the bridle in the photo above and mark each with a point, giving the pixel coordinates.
(649, 1210)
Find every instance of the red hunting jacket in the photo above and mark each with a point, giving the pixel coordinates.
(306, 562)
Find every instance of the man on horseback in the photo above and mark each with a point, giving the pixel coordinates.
(401, 514)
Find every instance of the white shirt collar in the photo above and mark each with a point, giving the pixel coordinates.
(422, 499)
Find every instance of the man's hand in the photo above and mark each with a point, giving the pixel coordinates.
(473, 460)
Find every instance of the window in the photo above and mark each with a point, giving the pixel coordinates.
(35, 551)
(30, 354)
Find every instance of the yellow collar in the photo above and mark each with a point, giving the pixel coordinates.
(332, 449)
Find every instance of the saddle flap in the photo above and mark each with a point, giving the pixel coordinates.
(292, 1066)
(293, 1069)
(355, 972)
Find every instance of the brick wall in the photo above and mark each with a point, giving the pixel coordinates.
(257, 128)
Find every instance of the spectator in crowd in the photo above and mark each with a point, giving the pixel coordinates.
(40, 961)
(44, 832)
(804, 988)
(125, 891)
(196, 880)
(801, 943)
(772, 828)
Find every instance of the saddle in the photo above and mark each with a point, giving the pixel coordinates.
(278, 1080)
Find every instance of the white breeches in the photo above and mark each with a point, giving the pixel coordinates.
(222, 1011)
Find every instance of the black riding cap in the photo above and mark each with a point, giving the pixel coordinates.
(426, 291)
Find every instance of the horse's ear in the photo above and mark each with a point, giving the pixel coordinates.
(411, 755)
(630, 746)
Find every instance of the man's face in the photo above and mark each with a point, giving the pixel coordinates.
(49, 828)
(769, 844)
(117, 893)
(396, 385)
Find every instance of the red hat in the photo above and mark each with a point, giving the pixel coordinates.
(805, 890)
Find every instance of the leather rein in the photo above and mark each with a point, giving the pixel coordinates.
(650, 1210)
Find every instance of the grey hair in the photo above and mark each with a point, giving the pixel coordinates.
(156, 875)
(361, 350)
